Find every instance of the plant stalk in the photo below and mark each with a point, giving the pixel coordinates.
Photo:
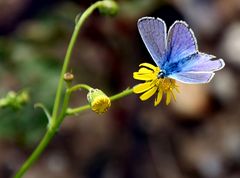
(56, 120)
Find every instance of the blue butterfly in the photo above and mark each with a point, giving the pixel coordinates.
(176, 53)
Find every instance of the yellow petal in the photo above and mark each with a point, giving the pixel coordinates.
(159, 98)
(168, 100)
(174, 95)
(142, 87)
(176, 88)
(150, 66)
(145, 77)
(148, 94)
(144, 70)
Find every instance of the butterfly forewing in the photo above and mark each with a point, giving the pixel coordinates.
(181, 42)
(153, 33)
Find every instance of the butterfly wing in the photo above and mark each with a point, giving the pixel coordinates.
(201, 62)
(184, 62)
(153, 33)
(181, 42)
(193, 77)
(198, 68)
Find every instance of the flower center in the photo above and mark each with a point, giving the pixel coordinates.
(168, 84)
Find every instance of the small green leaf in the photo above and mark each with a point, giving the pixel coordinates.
(78, 17)
(40, 105)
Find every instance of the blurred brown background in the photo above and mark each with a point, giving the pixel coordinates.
(196, 137)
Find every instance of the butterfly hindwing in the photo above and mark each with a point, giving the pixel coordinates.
(198, 62)
(153, 33)
(197, 68)
(193, 77)
(202, 62)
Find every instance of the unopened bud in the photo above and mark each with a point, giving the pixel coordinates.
(14, 100)
(98, 100)
(68, 77)
(108, 7)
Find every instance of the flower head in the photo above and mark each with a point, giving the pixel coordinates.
(154, 84)
(98, 100)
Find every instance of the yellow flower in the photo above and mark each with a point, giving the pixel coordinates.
(153, 84)
(98, 100)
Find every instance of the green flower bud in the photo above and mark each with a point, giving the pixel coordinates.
(108, 7)
(14, 100)
(98, 100)
(23, 97)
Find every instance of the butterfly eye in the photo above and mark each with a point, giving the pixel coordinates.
(161, 74)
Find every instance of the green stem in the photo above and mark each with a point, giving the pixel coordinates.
(55, 119)
(46, 139)
(124, 93)
(68, 56)
(64, 109)
(51, 131)
(42, 145)
(72, 111)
